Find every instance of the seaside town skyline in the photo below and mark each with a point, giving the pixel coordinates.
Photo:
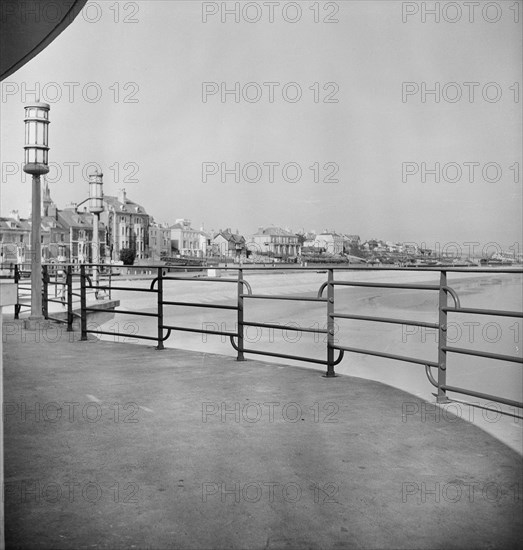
(293, 131)
(67, 232)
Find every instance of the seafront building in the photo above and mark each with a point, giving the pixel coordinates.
(79, 240)
(229, 244)
(330, 242)
(65, 234)
(127, 225)
(187, 241)
(15, 238)
(274, 241)
(159, 240)
(351, 242)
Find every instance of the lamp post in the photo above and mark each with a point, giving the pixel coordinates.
(36, 163)
(96, 207)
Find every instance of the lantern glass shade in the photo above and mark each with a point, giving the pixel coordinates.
(36, 138)
(96, 193)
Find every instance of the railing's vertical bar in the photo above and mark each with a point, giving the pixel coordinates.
(442, 339)
(83, 303)
(45, 291)
(17, 280)
(330, 324)
(159, 301)
(69, 287)
(240, 356)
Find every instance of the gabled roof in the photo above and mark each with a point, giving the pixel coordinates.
(50, 222)
(234, 238)
(81, 220)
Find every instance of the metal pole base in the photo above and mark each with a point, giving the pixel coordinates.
(36, 323)
(327, 375)
(442, 399)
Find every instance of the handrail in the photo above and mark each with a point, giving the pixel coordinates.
(472, 393)
(244, 291)
(192, 304)
(387, 285)
(405, 286)
(385, 320)
(485, 354)
(126, 312)
(201, 330)
(388, 356)
(285, 355)
(283, 297)
(286, 327)
(477, 311)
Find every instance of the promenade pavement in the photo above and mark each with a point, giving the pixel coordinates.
(115, 445)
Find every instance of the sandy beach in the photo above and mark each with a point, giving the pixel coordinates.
(479, 290)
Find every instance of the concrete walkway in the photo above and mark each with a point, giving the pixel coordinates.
(113, 445)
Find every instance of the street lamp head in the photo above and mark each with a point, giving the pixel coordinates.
(36, 138)
(96, 193)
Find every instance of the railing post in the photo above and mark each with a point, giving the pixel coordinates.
(159, 301)
(240, 356)
(17, 280)
(330, 324)
(442, 339)
(83, 303)
(45, 291)
(69, 286)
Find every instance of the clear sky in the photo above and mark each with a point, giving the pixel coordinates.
(137, 109)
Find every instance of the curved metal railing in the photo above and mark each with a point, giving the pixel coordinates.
(245, 292)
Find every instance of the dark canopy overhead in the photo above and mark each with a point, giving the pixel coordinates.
(29, 26)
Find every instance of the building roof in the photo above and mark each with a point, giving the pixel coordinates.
(13, 224)
(329, 233)
(50, 222)
(81, 220)
(129, 207)
(231, 237)
(272, 230)
(189, 229)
